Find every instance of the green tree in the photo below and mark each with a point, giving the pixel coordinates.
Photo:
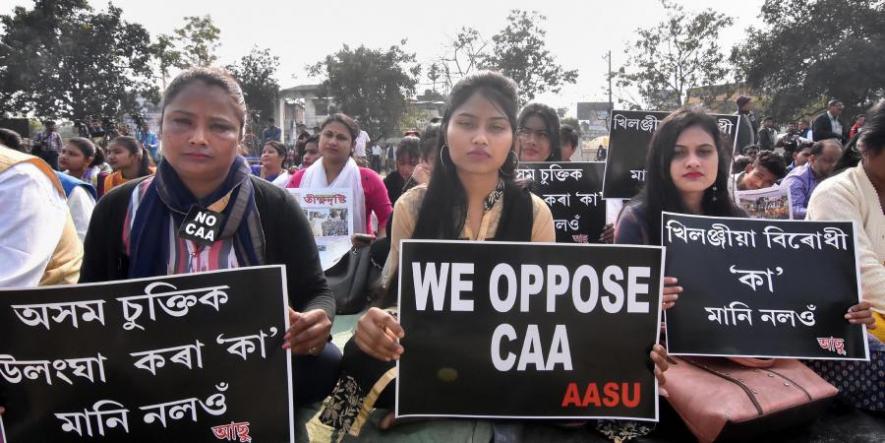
(256, 73)
(371, 85)
(811, 51)
(61, 59)
(520, 52)
(166, 56)
(197, 41)
(680, 53)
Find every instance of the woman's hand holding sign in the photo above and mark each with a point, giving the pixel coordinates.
(861, 314)
(378, 333)
(659, 356)
(671, 292)
(308, 332)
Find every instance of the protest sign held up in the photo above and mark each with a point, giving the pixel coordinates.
(573, 191)
(177, 358)
(574, 334)
(631, 132)
(762, 288)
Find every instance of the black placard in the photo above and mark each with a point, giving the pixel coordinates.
(497, 356)
(762, 288)
(209, 342)
(573, 191)
(629, 139)
(201, 225)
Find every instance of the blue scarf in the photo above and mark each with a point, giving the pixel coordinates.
(167, 195)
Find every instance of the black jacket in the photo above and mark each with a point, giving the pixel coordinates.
(287, 234)
(822, 129)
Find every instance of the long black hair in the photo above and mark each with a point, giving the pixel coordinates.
(444, 208)
(660, 193)
(551, 125)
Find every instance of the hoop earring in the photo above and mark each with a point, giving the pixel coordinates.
(442, 160)
(510, 165)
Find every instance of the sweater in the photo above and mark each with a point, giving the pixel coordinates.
(288, 241)
(851, 196)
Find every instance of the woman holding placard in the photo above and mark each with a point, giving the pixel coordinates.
(472, 196)
(687, 173)
(337, 169)
(134, 230)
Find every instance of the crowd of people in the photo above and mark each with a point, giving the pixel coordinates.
(112, 213)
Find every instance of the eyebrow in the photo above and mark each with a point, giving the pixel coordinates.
(703, 145)
(191, 114)
(467, 114)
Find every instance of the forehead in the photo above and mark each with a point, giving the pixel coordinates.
(337, 127)
(480, 106)
(534, 121)
(695, 136)
(201, 98)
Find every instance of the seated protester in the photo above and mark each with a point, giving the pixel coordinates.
(38, 240)
(538, 134)
(408, 152)
(311, 151)
(800, 156)
(766, 171)
(568, 138)
(471, 195)
(134, 231)
(803, 179)
(273, 164)
(129, 160)
(337, 169)
(859, 194)
(687, 168)
(81, 159)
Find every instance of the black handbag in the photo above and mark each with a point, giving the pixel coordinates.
(350, 280)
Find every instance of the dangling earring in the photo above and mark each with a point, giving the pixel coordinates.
(442, 160)
(715, 189)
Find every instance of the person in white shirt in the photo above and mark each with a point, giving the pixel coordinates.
(81, 203)
(38, 244)
(359, 149)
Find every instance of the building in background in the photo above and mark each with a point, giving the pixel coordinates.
(300, 108)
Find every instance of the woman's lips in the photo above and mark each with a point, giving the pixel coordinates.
(197, 156)
(478, 153)
(692, 175)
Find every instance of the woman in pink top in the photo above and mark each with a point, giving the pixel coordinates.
(337, 169)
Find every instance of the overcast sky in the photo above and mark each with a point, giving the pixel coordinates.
(579, 33)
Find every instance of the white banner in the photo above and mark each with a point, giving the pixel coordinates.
(773, 203)
(330, 214)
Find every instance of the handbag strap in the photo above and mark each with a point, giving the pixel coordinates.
(740, 384)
